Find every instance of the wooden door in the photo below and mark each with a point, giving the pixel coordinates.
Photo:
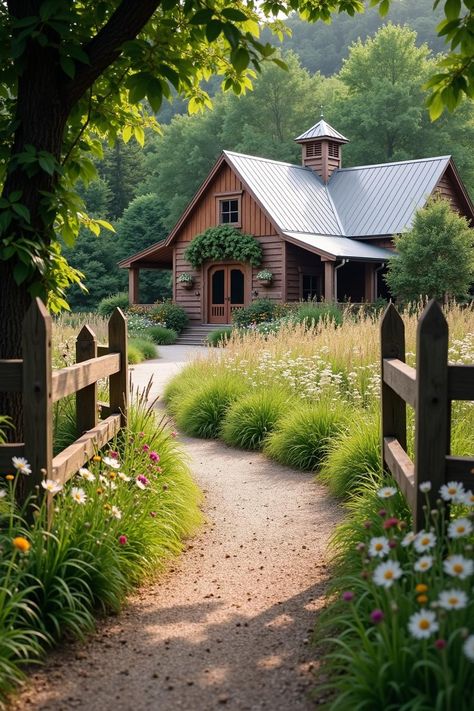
(226, 291)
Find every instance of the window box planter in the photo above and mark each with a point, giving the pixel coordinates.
(265, 277)
(186, 281)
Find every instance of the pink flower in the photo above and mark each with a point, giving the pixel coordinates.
(174, 433)
(159, 470)
(145, 448)
(348, 596)
(123, 540)
(391, 522)
(377, 616)
(141, 434)
(154, 456)
(113, 454)
(440, 644)
(153, 514)
(141, 481)
(392, 543)
(382, 513)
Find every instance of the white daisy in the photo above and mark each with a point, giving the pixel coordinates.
(468, 498)
(425, 487)
(468, 648)
(3, 493)
(386, 573)
(378, 547)
(116, 513)
(424, 541)
(459, 528)
(123, 476)
(51, 485)
(112, 463)
(86, 474)
(386, 492)
(422, 624)
(452, 599)
(423, 563)
(21, 465)
(458, 567)
(408, 539)
(79, 495)
(452, 491)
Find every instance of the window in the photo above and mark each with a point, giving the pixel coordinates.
(229, 212)
(310, 287)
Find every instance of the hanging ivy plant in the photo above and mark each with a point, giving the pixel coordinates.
(223, 242)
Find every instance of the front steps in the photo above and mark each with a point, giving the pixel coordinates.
(195, 335)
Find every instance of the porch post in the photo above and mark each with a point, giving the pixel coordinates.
(329, 294)
(369, 291)
(133, 285)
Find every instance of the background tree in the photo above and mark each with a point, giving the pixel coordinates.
(122, 169)
(436, 256)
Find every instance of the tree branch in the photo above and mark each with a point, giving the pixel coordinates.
(123, 25)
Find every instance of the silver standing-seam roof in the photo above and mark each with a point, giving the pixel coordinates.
(322, 129)
(341, 247)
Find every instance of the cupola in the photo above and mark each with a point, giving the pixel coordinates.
(321, 149)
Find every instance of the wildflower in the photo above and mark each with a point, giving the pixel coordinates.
(421, 625)
(459, 528)
(348, 596)
(141, 481)
(468, 648)
(154, 456)
(424, 541)
(458, 567)
(421, 588)
(116, 513)
(422, 599)
(392, 543)
(378, 547)
(79, 495)
(377, 616)
(391, 522)
(452, 491)
(386, 492)
(107, 507)
(21, 544)
(51, 486)
(21, 465)
(440, 644)
(425, 487)
(386, 573)
(123, 476)
(99, 490)
(123, 540)
(382, 513)
(112, 475)
(86, 474)
(174, 433)
(153, 514)
(423, 563)
(360, 547)
(113, 454)
(452, 599)
(468, 498)
(3, 493)
(367, 524)
(146, 448)
(408, 539)
(112, 463)
(96, 458)
(9, 477)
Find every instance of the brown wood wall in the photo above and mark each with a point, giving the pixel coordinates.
(299, 261)
(446, 189)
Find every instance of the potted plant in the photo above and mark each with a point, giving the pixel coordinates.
(186, 280)
(265, 277)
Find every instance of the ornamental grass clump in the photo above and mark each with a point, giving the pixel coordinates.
(301, 438)
(401, 631)
(250, 420)
(161, 335)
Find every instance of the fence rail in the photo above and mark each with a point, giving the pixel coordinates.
(41, 386)
(430, 389)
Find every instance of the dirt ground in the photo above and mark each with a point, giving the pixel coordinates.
(228, 625)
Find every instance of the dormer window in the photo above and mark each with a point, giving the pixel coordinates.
(229, 211)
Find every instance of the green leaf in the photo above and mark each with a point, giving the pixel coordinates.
(26, 22)
(452, 8)
(213, 30)
(139, 134)
(68, 66)
(127, 133)
(233, 14)
(106, 225)
(22, 211)
(154, 93)
(15, 196)
(240, 59)
(20, 272)
(384, 7)
(202, 17)
(436, 106)
(47, 162)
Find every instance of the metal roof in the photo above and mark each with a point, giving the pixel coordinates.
(294, 197)
(322, 129)
(382, 199)
(341, 247)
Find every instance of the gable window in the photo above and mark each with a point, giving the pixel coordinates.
(229, 211)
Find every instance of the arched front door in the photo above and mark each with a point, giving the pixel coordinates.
(226, 291)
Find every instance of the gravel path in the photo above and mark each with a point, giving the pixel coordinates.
(228, 625)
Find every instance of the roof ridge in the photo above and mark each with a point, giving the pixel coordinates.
(267, 160)
(334, 209)
(395, 162)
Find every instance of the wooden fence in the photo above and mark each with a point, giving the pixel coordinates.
(429, 389)
(41, 386)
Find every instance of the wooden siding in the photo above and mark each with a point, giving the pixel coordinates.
(446, 188)
(273, 260)
(299, 261)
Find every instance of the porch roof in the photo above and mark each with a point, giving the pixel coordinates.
(158, 256)
(339, 247)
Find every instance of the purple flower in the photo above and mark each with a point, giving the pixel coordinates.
(145, 447)
(348, 596)
(141, 481)
(123, 540)
(382, 513)
(392, 543)
(391, 522)
(440, 644)
(154, 456)
(377, 616)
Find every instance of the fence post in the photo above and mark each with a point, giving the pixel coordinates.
(394, 410)
(432, 420)
(119, 381)
(86, 399)
(37, 399)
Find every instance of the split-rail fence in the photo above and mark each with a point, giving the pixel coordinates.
(41, 386)
(430, 389)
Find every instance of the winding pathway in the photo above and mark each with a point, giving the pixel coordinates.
(229, 624)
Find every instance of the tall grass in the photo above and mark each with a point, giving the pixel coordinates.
(250, 420)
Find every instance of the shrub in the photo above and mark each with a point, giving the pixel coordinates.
(219, 337)
(146, 348)
(201, 411)
(223, 242)
(170, 315)
(248, 421)
(258, 311)
(161, 335)
(351, 456)
(107, 305)
(311, 314)
(190, 378)
(134, 354)
(301, 438)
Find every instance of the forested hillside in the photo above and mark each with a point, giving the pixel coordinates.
(367, 76)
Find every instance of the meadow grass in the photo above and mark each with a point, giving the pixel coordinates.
(250, 420)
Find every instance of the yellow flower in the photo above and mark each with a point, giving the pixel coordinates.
(421, 588)
(99, 491)
(422, 599)
(96, 458)
(9, 477)
(21, 544)
(112, 475)
(107, 507)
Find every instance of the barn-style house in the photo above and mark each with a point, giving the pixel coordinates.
(326, 232)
